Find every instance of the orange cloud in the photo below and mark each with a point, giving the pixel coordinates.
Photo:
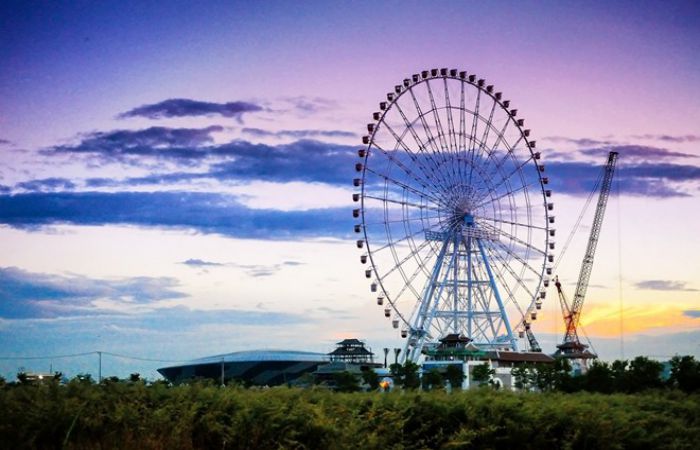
(604, 320)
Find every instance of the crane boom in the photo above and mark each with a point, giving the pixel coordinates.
(571, 345)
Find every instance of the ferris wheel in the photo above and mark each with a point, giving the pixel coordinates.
(454, 214)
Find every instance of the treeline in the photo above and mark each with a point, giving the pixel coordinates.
(620, 376)
(137, 415)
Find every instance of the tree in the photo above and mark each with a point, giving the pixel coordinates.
(482, 374)
(522, 377)
(134, 377)
(371, 378)
(599, 378)
(433, 379)
(346, 382)
(405, 375)
(454, 375)
(643, 374)
(685, 373)
(619, 374)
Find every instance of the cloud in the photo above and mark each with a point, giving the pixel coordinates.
(664, 285)
(581, 142)
(205, 212)
(46, 184)
(260, 270)
(694, 313)
(637, 152)
(200, 263)
(182, 107)
(670, 138)
(310, 105)
(181, 144)
(5, 142)
(658, 180)
(305, 160)
(5, 189)
(26, 294)
(298, 134)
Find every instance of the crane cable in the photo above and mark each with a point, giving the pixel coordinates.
(577, 225)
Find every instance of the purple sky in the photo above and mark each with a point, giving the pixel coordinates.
(173, 177)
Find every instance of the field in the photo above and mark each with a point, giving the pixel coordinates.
(130, 415)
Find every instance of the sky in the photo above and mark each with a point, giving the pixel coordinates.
(175, 179)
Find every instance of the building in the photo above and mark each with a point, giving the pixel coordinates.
(350, 355)
(456, 349)
(256, 367)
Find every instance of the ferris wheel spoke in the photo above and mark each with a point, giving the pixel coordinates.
(515, 239)
(507, 154)
(422, 146)
(405, 259)
(426, 127)
(507, 194)
(450, 120)
(402, 203)
(518, 278)
(427, 172)
(403, 167)
(472, 136)
(487, 128)
(402, 220)
(462, 120)
(517, 257)
(405, 238)
(436, 117)
(413, 190)
(508, 222)
(518, 169)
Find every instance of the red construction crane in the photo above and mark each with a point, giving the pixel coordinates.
(571, 347)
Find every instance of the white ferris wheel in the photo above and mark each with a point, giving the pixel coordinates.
(454, 214)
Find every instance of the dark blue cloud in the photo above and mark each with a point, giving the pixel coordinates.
(212, 213)
(5, 142)
(47, 184)
(182, 107)
(181, 144)
(4, 189)
(304, 160)
(694, 313)
(642, 179)
(298, 134)
(664, 285)
(26, 294)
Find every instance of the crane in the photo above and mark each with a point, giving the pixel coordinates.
(571, 347)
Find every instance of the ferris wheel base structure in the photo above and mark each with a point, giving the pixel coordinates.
(455, 215)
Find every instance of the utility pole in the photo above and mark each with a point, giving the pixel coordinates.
(99, 371)
(222, 373)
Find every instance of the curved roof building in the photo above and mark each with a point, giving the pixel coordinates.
(256, 367)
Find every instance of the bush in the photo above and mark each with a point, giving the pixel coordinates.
(126, 414)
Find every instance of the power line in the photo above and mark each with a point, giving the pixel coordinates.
(74, 355)
(24, 358)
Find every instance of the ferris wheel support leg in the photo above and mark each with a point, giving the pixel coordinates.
(470, 310)
(418, 330)
(501, 307)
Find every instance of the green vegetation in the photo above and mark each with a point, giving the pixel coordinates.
(134, 414)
